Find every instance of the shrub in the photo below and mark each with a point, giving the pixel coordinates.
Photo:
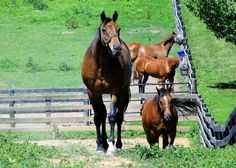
(38, 4)
(72, 23)
(64, 67)
(31, 66)
(219, 16)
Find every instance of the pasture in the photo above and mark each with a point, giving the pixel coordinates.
(43, 48)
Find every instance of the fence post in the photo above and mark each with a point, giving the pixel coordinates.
(87, 113)
(48, 112)
(11, 104)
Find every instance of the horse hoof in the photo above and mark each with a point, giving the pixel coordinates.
(100, 150)
(111, 149)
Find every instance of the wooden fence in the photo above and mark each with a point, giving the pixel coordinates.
(39, 108)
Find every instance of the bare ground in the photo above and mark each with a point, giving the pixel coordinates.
(101, 161)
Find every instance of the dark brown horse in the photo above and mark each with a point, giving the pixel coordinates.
(106, 69)
(161, 68)
(160, 117)
(157, 50)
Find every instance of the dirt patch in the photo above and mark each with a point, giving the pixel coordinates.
(101, 161)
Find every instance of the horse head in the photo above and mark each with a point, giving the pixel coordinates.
(178, 38)
(110, 33)
(165, 103)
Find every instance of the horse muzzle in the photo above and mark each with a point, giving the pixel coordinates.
(167, 116)
(116, 49)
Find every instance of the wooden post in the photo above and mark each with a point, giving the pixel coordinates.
(48, 112)
(87, 113)
(11, 104)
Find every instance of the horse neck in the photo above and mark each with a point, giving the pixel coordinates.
(168, 43)
(98, 50)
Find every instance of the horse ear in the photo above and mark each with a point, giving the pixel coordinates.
(115, 16)
(103, 16)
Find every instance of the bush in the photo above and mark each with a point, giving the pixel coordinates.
(219, 16)
(38, 4)
(64, 67)
(72, 23)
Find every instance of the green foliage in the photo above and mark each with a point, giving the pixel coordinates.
(64, 67)
(72, 23)
(37, 4)
(219, 15)
(23, 154)
(8, 65)
(31, 66)
(180, 156)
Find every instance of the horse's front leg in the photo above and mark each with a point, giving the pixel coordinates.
(112, 121)
(100, 114)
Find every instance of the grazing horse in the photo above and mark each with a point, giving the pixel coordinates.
(106, 69)
(156, 50)
(161, 68)
(160, 117)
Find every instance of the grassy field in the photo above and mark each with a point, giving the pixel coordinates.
(42, 48)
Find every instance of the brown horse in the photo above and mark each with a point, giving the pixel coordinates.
(156, 50)
(106, 69)
(161, 68)
(159, 116)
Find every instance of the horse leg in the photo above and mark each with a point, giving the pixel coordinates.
(112, 120)
(122, 105)
(145, 78)
(165, 140)
(99, 120)
(140, 78)
(172, 136)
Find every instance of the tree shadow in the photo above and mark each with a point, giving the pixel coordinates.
(229, 85)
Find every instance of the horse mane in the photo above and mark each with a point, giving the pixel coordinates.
(168, 39)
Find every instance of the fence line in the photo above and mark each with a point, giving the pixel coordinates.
(212, 134)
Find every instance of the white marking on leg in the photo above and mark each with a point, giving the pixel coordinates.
(111, 149)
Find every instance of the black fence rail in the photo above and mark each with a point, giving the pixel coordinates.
(212, 134)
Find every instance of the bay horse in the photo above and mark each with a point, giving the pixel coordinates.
(161, 68)
(106, 69)
(156, 50)
(160, 117)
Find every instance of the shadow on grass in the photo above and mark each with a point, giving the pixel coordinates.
(229, 85)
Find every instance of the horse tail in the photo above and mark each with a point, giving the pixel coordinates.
(185, 106)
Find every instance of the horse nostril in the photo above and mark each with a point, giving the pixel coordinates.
(117, 47)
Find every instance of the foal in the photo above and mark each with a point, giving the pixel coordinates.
(157, 50)
(159, 117)
(161, 68)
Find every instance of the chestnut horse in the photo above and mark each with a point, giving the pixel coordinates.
(161, 68)
(106, 69)
(160, 117)
(156, 50)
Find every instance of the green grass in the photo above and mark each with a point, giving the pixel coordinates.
(38, 50)
(215, 63)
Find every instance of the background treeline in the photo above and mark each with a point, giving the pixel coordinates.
(219, 16)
